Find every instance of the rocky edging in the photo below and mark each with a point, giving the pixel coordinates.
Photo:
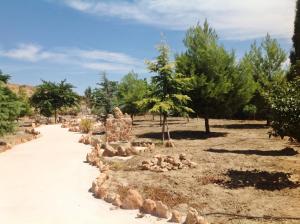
(102, 188)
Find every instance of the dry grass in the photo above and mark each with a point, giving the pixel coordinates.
(241, 173)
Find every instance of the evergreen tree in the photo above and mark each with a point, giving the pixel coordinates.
(49, 97)
(10, 107)
(105, 96)
(167, 86)
(295, 53)
(131, 91)
(219, 85)
(266, 66)
(4, 77)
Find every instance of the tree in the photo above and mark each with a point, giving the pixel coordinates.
(4, 77)
(10, 108)
(285, 108)
(219, 85)
(266, 66)
(131, 91)
(26, 109)
(88, 97)
(49, 97)
(166, 96)
(105, 96)
(295, 53)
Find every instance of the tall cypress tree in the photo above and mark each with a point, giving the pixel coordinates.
(295, 53)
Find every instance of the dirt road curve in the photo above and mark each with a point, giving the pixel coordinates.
(45, 181)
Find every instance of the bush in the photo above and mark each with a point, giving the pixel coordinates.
(86, 125)
(10, 108)
(285, 109)
(250, 111)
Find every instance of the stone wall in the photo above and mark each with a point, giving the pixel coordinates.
(118, 127)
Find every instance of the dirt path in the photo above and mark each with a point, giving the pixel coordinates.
(45, 181)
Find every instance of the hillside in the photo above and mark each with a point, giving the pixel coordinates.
(17, 87)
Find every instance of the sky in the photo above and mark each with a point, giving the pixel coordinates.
(78, 39)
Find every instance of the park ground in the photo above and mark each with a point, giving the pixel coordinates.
(243, 176)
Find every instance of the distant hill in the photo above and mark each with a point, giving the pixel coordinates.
(29, 90)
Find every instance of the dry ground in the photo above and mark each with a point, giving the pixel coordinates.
(242, 175)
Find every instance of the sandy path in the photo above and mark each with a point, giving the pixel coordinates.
(45, 181)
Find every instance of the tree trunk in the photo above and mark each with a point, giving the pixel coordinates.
(188, 119)
(168, 131)
(153, 117)
(131, 118)
(163, 128)
(268, 122)
(55, 116)
(160, 120)
(206, 119)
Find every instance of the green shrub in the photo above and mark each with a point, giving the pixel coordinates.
(250, 111)
(285, 109)
(86, 125)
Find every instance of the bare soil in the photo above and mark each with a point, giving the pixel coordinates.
(243, 176)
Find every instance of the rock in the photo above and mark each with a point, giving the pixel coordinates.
(182, 156)
(102, 178)
(118, 113)
(148, 207)
(121, 151)
(117, 201)
(81, 139)
(176, 217)
(133, 200)
(193, 217)
(110, 197)
(109, 151)
(162, 210)
(193, 164)
(170, 144)
(101, 192)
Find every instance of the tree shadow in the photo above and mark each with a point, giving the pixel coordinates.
(262, 180)
(240, 126)
(283, 152)
(191, 135)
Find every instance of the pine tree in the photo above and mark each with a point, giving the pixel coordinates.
(167, 87)
(10, 107)
(104, 98)
(295, 53)
(219, 85)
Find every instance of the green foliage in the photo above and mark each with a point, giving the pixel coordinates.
(250, 110)
(295, 53)
(285, 107)
(10, 108)
(86, 125)
(26, 109)
(131, 91)
(49, 97)
(4, 77)
(167, 86)
(266, 66)
(104, 98)
(88, 98)
(219, 85)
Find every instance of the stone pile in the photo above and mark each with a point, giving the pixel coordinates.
(162, 163)
(118, 127)
(31, 131)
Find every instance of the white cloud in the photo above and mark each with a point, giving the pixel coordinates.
(90, 59)
(234, 19)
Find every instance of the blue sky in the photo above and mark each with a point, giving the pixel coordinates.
(77, 39)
